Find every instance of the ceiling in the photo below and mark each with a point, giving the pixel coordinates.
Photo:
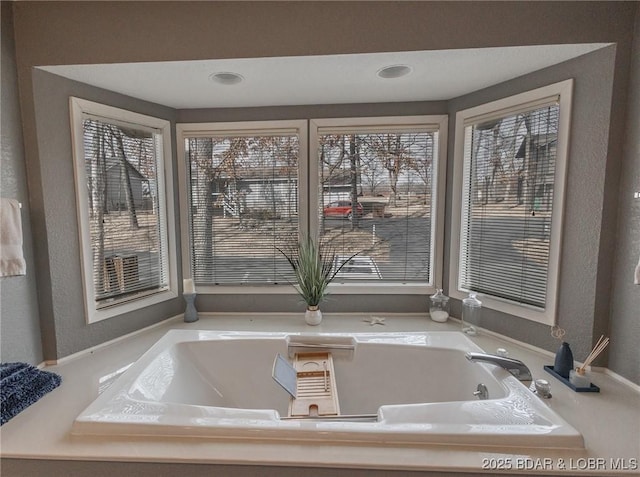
(334, 79)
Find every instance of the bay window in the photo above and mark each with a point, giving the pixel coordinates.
(378, 188)
(245, 187)
(371, 186)
(510, 168)
(126, 222)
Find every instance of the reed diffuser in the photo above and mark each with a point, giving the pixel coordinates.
(579, 376)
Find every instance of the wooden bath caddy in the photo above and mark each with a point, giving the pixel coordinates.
(316, 393)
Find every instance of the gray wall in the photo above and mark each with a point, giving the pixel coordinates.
(579, 295)
(624, 356)
(60, 262)
(19, 318)
(65, 33)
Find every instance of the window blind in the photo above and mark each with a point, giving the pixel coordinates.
(377, 197)
(508, 188)
(243, 192)
(126, 220)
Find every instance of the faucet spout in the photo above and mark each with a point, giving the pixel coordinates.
(514, 366)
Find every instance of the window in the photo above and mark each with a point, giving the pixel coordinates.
(245, 184)
(128, 256)
(378, 184)
(508, 201)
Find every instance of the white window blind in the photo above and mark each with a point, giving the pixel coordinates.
(243, 195)
(126, 218)
(377, 189)
(509, 178)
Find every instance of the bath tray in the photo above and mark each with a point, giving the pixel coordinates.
(591, 389)
(316, 393)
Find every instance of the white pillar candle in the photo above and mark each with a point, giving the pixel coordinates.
(188, 286)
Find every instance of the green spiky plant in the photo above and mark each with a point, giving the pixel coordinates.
(314, 268)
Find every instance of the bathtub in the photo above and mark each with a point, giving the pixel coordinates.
(403, 388)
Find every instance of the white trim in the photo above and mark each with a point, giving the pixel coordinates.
(241, 128)
(621, 379)
(80, 109)
(430, 123)
(507, 108)
(295, 127)
(106, 344)
(563, 91)
(385, 288)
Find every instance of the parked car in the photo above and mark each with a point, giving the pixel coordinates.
(341, 208)
(360, 267)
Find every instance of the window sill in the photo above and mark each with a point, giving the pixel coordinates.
(117, 309)
(546, 316)
(334, 289)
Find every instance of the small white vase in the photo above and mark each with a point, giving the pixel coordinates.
(313, 316)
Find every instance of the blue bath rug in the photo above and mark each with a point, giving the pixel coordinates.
(21, 385)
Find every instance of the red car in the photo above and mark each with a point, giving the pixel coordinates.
(341, 208)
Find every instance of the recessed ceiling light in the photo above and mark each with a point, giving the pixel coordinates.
(394, 71)
(226, 77)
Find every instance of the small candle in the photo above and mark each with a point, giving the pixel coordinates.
(188, 286)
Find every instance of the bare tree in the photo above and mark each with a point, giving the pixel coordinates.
(420, 162)
(394, 152)
(353, 174)
(203, 174)
(515, 151)
(100, 204)
(370, 174)
(116, 134)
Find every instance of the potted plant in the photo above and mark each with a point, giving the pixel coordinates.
(314, 266)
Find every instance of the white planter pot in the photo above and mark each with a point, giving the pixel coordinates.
(313, 316)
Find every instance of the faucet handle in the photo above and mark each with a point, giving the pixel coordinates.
(482, 392)
(542, 388)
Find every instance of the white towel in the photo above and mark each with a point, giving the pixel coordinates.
(11, 257)
(636, 280)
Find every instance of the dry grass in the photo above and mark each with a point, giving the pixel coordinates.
(535, 250)
(119, 235)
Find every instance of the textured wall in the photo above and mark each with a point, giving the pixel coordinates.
(624, 355)
(61, 259)
(583, 215)
(19, 318)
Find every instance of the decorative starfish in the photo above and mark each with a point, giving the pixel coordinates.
(375, 320)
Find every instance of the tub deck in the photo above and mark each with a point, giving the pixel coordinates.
(39, 440)
(197, 383)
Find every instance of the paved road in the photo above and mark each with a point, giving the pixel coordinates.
(408, 241)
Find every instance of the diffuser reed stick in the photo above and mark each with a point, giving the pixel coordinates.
(595, 352)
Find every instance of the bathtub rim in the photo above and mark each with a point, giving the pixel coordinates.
(563, 436)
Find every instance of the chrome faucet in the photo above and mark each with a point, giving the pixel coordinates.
(514, 366)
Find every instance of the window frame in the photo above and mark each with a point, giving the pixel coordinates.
(81, 109)
(239, 128)
(492, 110)
(437, 123)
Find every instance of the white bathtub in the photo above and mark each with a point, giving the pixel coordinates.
(418, 386)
